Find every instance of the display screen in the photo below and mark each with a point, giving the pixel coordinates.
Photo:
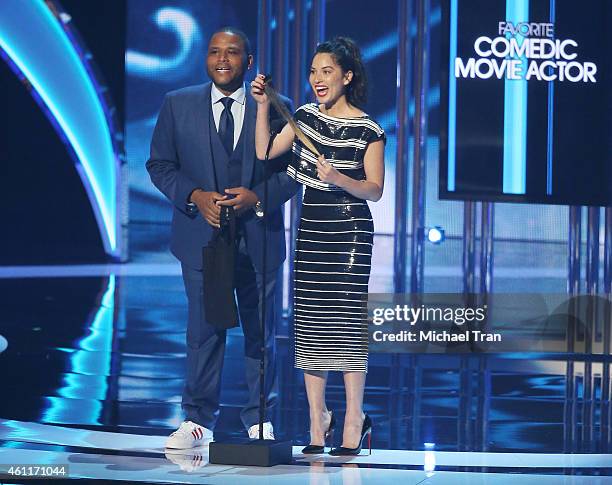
(526, 99)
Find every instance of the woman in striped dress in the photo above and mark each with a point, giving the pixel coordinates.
(334, 246)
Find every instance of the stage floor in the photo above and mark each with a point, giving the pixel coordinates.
(137, 458)
(92, 377)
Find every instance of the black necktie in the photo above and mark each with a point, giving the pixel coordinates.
(226, 125)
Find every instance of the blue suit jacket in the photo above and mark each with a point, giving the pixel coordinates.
(181, 161)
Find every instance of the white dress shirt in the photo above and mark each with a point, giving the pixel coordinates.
(237, 108)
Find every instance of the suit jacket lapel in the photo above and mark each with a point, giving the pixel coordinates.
(248, 149)
(202, 114)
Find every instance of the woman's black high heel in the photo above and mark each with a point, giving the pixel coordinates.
(366, 430)
(317, 449)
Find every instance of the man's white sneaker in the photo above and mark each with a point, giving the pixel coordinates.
(189, 435)
(268, 431)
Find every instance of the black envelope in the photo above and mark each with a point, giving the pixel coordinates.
(218, 273)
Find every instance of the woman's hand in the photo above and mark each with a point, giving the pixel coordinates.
(326, 172)
(257, 90)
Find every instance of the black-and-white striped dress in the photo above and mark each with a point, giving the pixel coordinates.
(334, 245)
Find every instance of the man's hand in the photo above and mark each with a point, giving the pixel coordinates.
(207, 205)
(244, 199)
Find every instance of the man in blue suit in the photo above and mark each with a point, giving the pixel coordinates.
(203, 157)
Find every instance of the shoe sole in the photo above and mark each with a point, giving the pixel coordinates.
(188, 447)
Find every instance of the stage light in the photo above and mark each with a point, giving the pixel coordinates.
(435, 235)
(515, 115)
(452, 99)
(64, 88)
(429, 460)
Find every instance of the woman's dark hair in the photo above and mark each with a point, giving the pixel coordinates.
(347, 55)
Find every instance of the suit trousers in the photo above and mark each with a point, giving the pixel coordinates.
(206, 344)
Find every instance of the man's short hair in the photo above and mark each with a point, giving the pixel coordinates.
(239, 33)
